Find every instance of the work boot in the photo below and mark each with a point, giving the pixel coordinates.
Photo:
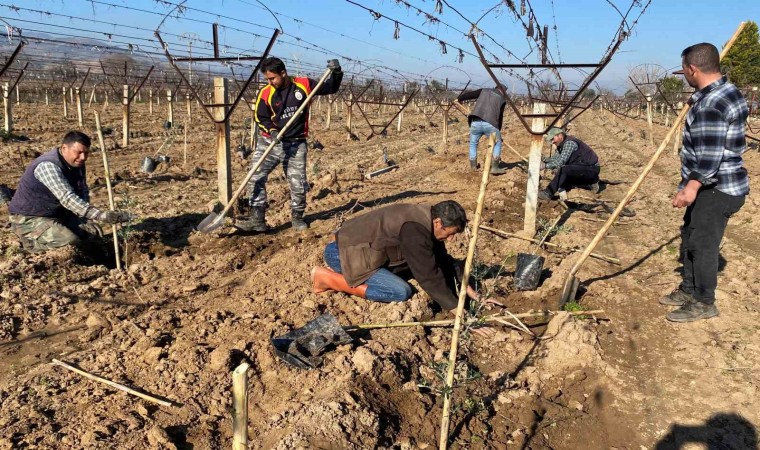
(495, 169)
(323, 280)
(545, 195)
(675, 298)
(474, 164)
(692, 311)
(297, 222)
(257, 223)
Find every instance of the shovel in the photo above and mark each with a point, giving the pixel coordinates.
(572, 282)
(214, 220)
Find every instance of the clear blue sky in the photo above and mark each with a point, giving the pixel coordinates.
(585, 28)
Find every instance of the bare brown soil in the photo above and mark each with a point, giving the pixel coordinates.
(190, 307)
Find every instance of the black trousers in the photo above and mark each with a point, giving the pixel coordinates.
(704, 223)
(568, 177)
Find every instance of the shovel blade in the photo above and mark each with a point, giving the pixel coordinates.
(210, 223)
(569, 290)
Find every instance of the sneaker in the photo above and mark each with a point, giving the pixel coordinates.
(545, 195)
(693, 311)
(675, 298)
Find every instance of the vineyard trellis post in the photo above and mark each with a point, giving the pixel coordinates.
(534, 169)
(224, 166)
(8, 107)
(125, 115)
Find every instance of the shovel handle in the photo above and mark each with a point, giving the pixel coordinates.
(276, 141)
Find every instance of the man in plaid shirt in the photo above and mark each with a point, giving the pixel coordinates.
(51, 206)
(713, 180)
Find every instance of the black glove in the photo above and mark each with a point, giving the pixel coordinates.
(92, 228)
(114, 217)
(333, 65)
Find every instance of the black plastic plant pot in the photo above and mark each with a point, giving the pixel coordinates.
(528, 271)
(148, 165)
(304, 346)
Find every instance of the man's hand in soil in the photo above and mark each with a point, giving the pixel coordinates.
(687, 195)
(92, 228)
(115, 217)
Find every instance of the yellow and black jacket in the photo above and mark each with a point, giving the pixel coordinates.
(274, 107)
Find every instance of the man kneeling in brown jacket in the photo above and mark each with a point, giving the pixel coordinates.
(371, 251)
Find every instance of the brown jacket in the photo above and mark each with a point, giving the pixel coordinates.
(396, 236)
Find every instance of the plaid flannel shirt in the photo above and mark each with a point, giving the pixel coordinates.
(713, 139)
(51, 176)
(561, 156)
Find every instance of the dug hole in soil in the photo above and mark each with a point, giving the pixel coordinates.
(188, 308)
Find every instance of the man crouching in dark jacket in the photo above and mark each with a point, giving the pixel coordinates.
(369, 251)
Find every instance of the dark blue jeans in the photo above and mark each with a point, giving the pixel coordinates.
(703, 226)
(382, 286)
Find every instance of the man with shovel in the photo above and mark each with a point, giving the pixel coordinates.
(51, 206)
(371, 254)
(276, 103)
(714, 181)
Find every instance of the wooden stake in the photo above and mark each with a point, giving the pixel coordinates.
(329, 116)
(108, 187)
(240, 407)
(65, 105)
(150, 101)
(8, 108)
(78, 97)
(113, 384)
(223, 163)
(445, 128)
(125, 116)
(348, 120)
(400, 115)
(649, 121)
(47, 97)
(446, 417)
(534, 169)
(170, 117)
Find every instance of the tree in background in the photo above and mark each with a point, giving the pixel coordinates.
(742, 63)
(672, 88)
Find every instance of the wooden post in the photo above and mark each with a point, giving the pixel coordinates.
(18, 93)
(649, 120)
(534, 169)
(348, 120)
(150, 101)
(400, 115)
(65, 105)
(125, 116)
(71, 95)
(47, 97)
(170, 117)
(240, 407)
(8, 108)
(92, 97)
(189, 107)
(329, 116)
(224, 166)
(78, 96)
(445, 127)
(445, 418)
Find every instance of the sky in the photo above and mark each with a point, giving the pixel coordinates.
(317, 29)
